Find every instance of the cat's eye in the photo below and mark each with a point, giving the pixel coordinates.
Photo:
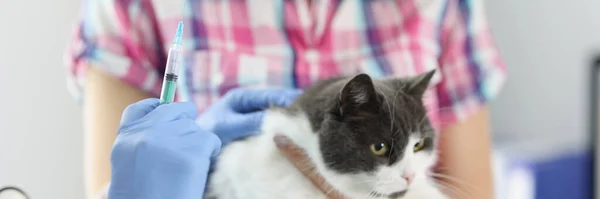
(419, 145)
(379, 149)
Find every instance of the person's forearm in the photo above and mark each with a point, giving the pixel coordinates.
(105, 99)
(465, 165)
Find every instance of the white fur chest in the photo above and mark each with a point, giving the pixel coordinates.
(255, 169)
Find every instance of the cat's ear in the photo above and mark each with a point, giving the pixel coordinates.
(414, 86)
(417, 85)
(358, 91)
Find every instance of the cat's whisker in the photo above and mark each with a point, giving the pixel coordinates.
(393, 113)
(439, 168)
(390, 112)
(449, 191)
(368, 195)
(457, 180)
(371, 194)
(366, 181)
(445, 189)
(454, 189)
(390, 154)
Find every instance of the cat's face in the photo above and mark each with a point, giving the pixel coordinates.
(377, 140)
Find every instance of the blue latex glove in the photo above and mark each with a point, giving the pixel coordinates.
(239, 113)
(160, 152)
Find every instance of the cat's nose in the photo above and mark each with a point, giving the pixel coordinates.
(408, 177)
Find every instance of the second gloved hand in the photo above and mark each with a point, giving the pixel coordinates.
(240, 112)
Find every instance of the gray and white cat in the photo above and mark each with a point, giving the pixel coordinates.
(368, 138)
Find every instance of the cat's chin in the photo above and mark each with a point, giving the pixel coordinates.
(398, 194)
(422, 190)
(425, 190)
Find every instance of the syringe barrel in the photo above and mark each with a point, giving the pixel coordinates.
(174, 60)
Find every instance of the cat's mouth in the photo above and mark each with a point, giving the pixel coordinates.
(394, 195)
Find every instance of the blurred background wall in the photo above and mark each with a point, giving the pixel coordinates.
(40, 124)
(547, 45)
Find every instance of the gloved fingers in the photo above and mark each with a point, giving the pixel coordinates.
(210, 141)
(185, 135)
(249, 100)
(176, 110)
(239, 126)
(138, 110)
(175, 128)
(194, 136)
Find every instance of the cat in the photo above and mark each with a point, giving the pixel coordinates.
(368, 138)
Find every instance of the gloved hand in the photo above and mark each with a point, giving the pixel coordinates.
(239, 113)
(160, 152)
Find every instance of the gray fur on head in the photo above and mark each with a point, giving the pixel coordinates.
(351, 114)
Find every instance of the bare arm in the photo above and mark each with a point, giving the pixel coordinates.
(465, 157)
(105, 99)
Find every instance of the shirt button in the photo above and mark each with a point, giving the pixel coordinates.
(311, 55)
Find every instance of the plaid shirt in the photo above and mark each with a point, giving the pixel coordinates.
(289, 43)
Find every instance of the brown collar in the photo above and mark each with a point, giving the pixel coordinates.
(297, 156)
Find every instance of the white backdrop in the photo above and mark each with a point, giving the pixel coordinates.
(40, 124)
(546, 43)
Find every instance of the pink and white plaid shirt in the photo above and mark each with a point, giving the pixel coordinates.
(289, 43)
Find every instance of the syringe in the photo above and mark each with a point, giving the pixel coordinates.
(172, 70)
